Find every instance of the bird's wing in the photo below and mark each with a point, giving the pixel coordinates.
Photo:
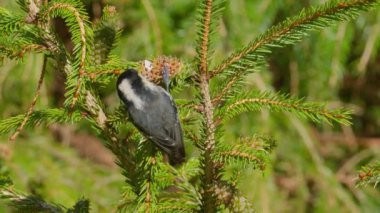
(159, 122)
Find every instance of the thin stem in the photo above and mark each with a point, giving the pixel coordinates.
(33, 104)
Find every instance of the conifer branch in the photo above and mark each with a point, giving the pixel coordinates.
(148, 185)
(81, 206)
(238, 154)
(293, 30)
(247, 152)
(199, 184)
(20, 52)
(231, 82)
(49, 116)
(104, 72)
(208, 10)
(174, 208)
(205, 32)
(209, 145)
(80, 22)
(369, 174)
(33, 104)
(23, 203)
(313, 111)
(106, 35)
(122, 150)
(9, 22)
(64, 8)
(96, 75)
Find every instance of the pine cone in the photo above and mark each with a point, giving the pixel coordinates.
(152, 70)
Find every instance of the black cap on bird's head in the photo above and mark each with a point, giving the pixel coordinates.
(130, 74)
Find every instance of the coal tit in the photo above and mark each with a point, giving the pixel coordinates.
(153, 111)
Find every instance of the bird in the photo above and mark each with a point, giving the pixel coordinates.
(154, 113)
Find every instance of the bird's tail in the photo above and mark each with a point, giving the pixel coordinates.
(177, 156)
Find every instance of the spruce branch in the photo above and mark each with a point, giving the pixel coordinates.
(369, 174)
(231, 83)
(107, 32)
(19, 50)
(209, 145)
(18, 37)
(247, 152)
(208, 10)
(105, 72)
(81, 206)
(198, 184)
(293, 30)
(33, 104)
(187, 194)
(32, 203)
(204, 35)
(208, 17)
(173, 208)
(28, 203)
(277, 102)
(73, 13)
(148, 185)
(231, 155)
(9, 22)
(48, 116)
(138, 168)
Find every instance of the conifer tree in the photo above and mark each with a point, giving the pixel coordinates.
(202, 184)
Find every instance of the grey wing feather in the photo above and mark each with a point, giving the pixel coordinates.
(160, 124)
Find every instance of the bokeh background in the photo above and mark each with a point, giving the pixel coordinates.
(313, 168)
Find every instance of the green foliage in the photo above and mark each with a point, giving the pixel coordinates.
(369, 174)
(16, 36)
(293, 30)
(48, 116)
(278, 102)
(203, 183)
(247, 152)
(81, 206)
(209, 14)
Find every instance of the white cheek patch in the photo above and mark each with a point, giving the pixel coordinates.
(130, 95)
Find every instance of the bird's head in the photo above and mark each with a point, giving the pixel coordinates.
(130, 76)
(129, 88)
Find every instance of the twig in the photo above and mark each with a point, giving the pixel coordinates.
(33, 104)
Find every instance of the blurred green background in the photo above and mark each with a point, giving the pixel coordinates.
(314, 166)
